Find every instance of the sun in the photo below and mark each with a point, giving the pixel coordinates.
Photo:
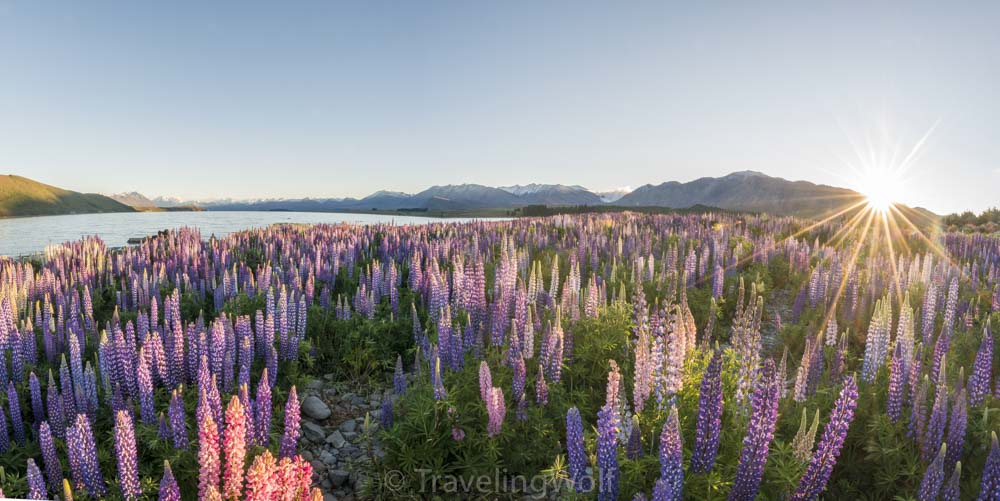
(881, 188)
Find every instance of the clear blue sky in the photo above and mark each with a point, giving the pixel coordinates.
(284, 99)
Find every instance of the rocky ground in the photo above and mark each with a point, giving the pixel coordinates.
(333, 437)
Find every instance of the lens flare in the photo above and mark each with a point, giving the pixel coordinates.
(881, 189)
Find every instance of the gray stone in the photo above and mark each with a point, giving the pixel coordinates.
(314, 384)
(336, 439)
(329, 497)
(306, 454)
(338, 477)
(349, 435)
(315, 408)
(313, 432)
(349, 425)
(328, 458)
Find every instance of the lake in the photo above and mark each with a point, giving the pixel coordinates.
(29, 235)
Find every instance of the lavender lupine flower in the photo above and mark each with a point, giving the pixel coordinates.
(709, 424)
(607, 452)
(53, 468)
(439, 391)
(291, 436)
(633, 449)
(952, 489)
(262, 411)
(16, 421)
(496, 409)
(894, 398)
(989, 486)
(84, 449)
(485, 381)
(145, 384)
(956, 430)
(980, 381)
(208, 455)
(4, 436)
(128, 460)
(672, 455)
(817, 474)
(930, 486)
(934, 434)
(399, 378)
(575, 452)
(760, 431)
(36, 484)
(663, 491)
(169, 490)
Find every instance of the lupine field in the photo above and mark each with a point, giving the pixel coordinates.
(610, 356)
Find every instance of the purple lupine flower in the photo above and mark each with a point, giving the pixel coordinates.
(85, 451)
(934, 434)
(385, 417)
(930, 486)
(672, 456)
(16, 421)
(55, 407)
(53, 468)
(952, 489)
(709, 424)
(894, 398)
(956, 430)
(541, 389)
(37, 407)
(169, 490)
(574, 449)
(496, 408)
(164, 432)
(262, 410)
(760, 431)
(982, 370)
(399, 377)
(128, 460)
(175, 411)
(36, 484)
(520, 375)
(607, 452)
(291, 436)
(818, 472)
(989, 486)
(918, 412)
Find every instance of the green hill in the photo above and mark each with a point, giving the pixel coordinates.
(20, 196)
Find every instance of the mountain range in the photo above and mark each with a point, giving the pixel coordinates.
(739, 191)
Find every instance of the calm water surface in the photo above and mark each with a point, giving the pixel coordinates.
(28, 235)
